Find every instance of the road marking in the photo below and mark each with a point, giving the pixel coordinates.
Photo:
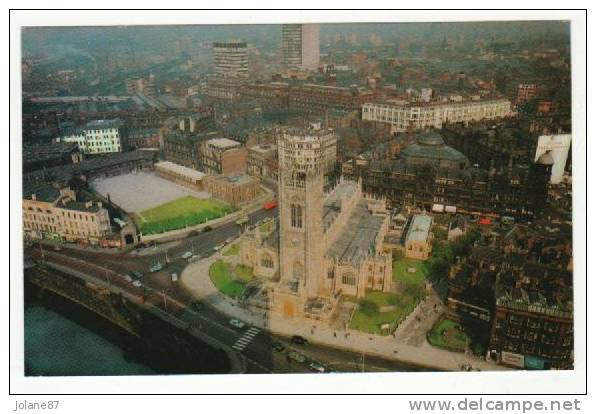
(245, 339)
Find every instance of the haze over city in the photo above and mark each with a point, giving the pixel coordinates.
(298, 198)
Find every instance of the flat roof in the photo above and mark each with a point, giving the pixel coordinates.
(223, 143)
(180, 169)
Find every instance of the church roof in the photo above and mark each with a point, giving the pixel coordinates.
(357, 239)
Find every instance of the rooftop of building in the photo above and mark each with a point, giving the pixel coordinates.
(430, 145)
(223, 143)
(82, 206)
(47, 151)
(180, 169)
(333, 202)
(41, 191)
(66, 172)
(357, 239)
(104, 124)
(419, 228)
(235, 180)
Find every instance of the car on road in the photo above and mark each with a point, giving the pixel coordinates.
(197, 305)
(278, 346)
(137, 283)
(237, 324)
(316, 367)
(193, 258)
(295, 356)
(219, 247)
(187, 255)
(207, 229)
(299, 340)
(156, 268)
(57, 248)
(128, 278)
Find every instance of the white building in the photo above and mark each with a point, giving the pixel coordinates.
(558, 146)
(417, 115)
(231, 59)
(100, 137)
(302, 152)
(300, 46)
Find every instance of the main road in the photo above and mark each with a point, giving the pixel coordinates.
(255, 344)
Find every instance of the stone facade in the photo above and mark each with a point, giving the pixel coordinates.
(325, 244)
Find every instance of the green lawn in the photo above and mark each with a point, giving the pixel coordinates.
(401, 274)
(412, 292)
(403, 306)
(449, 335)
(179, 213)
(229, 282)
(233, 250)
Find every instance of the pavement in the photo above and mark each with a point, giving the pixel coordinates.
(195, 279)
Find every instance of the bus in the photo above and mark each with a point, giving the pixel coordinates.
(270, 205)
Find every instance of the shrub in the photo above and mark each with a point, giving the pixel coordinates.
(369, 308)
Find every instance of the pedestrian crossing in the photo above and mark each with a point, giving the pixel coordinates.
(245, 339)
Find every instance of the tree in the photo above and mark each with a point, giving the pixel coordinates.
(369, 308)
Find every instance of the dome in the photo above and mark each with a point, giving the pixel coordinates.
(430, 147)
(430, 138)
(545, 159)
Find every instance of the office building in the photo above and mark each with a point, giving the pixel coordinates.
(300, 46)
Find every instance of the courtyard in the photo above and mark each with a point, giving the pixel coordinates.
(141, 191)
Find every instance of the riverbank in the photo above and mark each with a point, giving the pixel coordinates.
(63, 338)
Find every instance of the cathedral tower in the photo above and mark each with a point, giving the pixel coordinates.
(301, 197)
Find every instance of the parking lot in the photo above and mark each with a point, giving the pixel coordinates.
(136, 192)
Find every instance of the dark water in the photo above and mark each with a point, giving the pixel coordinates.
(56, 345)
(66, 339)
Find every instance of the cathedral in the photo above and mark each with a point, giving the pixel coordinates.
(324, 244)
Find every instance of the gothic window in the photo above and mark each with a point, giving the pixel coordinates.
(348, 279)
(266, 260)
(296, 216)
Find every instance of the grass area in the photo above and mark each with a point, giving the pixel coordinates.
(448, 334)
(180, 213)
(371, 322)
(401, 274)
(369, 318)
(230, 282)
(233, 250)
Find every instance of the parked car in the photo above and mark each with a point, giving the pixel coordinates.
(174, 276)
(207, 229)
(278, 346)
(316, 367)
(193, 258)
(219, 247)
(295, 356)
(187, 255)
(137, 283)
(156, 268)
(299, 340)
(236, 323)
(128, 278)
(197, 305)
(57, 248)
